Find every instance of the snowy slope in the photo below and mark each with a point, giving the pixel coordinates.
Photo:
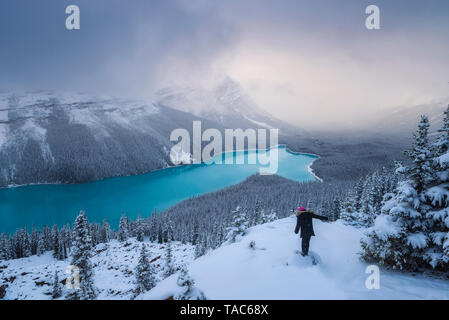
(275, 271)
(114, 263)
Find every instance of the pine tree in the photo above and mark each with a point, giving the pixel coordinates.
(33, 240)
(367, 213)
(3, 247)
(153, 226)
(169, 268)
(55, 241)
(436, 200)
(123, 229)
(348, 213)
(9, 254)
(195, 233)
(168, 234)
(160, 238)
(398, 238)
(335, 212)
(62, 249)
(359, 187)
(139, 229)
(272, 216)
(40, 249)
(26, 249)
(57, 288)
(258, 212)
(238, 226)
(81, 255)
(266, 218)
(201, 247)
(189, 291)
(145, 279)
(420, 171)
(105, 232)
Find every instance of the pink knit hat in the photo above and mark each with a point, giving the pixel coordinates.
(302, 209)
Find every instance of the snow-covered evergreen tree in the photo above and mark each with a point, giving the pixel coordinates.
(145, 279)
(55, 241)
(398, 237)
(334, 215)
(81, 255)
(370, 198)
(238, 226)
(266, 218)
(160, 238)
(169, 268)
(123, 232)
(57, 288)
(105, 232)
(3, 247)
(348, 213)
(201, 247)
(257, 214)
(139, 229)
(40, 249)
(189, 290)
(359, 187)
(26, 249)
(33, 240)
(436, 199)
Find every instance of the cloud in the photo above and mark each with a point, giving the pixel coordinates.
(308, 62)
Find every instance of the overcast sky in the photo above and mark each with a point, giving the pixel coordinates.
(308, 62)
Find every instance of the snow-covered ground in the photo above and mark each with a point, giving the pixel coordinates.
(273, 270)
(114, 264)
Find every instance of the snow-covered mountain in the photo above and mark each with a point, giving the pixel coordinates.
(50, 137)
(226, 103)
(272, 269)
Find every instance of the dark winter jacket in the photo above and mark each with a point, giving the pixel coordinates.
(304, 221)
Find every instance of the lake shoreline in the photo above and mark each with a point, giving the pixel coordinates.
(309, 168)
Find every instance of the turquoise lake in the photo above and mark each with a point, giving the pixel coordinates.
(49, 204)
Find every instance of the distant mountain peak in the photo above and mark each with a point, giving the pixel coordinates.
(225, 103)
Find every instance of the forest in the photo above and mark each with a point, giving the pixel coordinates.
(402, 208)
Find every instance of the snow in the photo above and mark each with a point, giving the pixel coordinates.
(217, 101)
(3, 119)
(385, 226)
(310, 170)
(417, 240)
(439, 195)
(3, 115)
(3, 134)
(30, 111)
(180, 156)
(443, 159)
(114, 265)
(98, 114)
(274, 270)
(260, 123)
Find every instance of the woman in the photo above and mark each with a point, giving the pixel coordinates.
(304, 221)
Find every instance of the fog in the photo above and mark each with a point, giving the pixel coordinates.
(310, 63)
